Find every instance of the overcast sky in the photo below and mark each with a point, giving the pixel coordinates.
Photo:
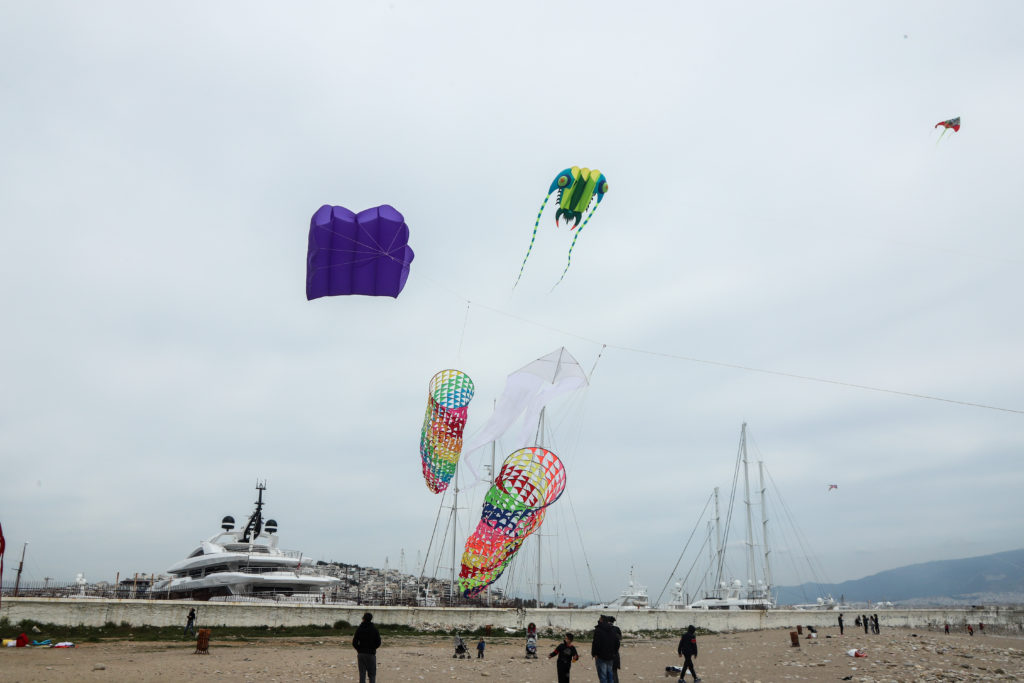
(779, 201)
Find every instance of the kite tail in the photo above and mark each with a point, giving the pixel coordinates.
(568, 260)
(536, 223)
(944, 131)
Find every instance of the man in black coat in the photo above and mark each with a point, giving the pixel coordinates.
(604, 649)
(688, 649)
(366, 641)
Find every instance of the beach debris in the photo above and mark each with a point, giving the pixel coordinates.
(856, 653)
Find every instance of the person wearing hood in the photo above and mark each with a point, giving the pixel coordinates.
(688, 649)
(604, 649)
(366, 641)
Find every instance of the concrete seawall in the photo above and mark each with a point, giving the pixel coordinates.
(97, 612)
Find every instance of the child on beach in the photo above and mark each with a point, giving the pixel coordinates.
(480, 649)
(688, 649)
(567, 654)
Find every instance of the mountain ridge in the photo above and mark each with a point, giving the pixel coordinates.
(997, 578)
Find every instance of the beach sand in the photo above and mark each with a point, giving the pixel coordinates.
(762, 656)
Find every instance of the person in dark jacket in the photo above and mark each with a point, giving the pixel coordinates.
(366, 641)
(688, 649)
(617, 664)
(840, 623)
(567, 654)
(190, 622)
(603, 649)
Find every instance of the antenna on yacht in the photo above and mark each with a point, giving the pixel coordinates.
(255, 524)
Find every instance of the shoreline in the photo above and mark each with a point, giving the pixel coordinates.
(899, 654)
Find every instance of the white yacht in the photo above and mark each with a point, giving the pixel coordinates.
(245, 564)
(634, 597)
(733, 596)
(822, 605)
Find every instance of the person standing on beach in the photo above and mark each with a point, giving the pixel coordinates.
(190, 622)
(617, 663)
(567, 654)
(981, 628)
(840, 623)
(874, 624)
(864, 620)
(480, 649)
(688, 649)
(603, 649)
(366, 641)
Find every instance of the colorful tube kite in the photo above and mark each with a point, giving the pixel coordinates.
(441, 437)
(531, 479)
(577, 188)
(364, 253)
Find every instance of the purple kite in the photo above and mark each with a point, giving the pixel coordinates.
(364, 253)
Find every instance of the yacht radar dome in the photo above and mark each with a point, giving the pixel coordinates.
(228, 523)
(270, 527)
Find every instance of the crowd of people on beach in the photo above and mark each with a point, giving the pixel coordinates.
(604, 647)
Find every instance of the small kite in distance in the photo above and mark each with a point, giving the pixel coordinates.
(946, 125)
(833, 486)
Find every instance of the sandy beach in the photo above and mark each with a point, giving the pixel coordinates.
(764, 656)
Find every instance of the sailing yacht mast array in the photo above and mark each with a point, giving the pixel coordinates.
(732, 595)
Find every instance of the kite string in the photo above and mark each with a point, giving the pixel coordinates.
(462, 337)
(747, 368)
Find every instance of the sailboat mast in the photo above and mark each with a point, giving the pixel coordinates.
(540, 442)
(21, 565)
(764, 533)
(494, 478)
(455, 515)
(718, 546)
(751, 570)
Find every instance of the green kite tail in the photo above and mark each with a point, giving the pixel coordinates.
(536, 224)
(568, 260)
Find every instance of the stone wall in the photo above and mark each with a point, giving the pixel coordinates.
(96, 612)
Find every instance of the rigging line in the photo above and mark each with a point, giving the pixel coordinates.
(444, 540)
(808, 378)
(817, 573)
(748, 368)
(426, 557)
(673, 572)
(696, 558)
(586, 560)
(462, 337)
(596, 360)
(728, 517)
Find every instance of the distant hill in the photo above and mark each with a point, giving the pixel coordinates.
(988, 579)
